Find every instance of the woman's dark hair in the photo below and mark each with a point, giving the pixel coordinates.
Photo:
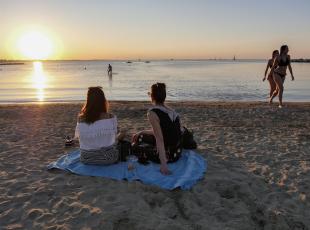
(158, 92)
(95, 105)
(275, 52)
(283, 48)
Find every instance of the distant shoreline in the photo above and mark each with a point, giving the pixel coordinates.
(183, 102)
(133, 60)
(22, 62)
(11, 63)
(301, 60)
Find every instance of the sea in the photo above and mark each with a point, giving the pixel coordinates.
(186, 80)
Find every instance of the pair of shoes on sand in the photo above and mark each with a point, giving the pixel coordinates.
(68, 141)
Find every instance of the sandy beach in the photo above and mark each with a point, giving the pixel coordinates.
(258, 171)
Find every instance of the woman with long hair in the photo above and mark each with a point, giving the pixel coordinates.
(96, 130)
(270, 62)
(281, 63)
(166, 129)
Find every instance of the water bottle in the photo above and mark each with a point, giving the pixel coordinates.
(132, 160)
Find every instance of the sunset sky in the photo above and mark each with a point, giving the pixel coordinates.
(123, 29)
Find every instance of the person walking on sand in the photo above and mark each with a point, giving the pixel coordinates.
(270, 62)
(109, 69)
(279, 72)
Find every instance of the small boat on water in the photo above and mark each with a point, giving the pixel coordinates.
(129, 62)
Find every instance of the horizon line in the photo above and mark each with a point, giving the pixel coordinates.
(137, 59)
(145, 60)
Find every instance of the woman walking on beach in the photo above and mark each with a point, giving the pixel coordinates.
(279, 72)
(96, 130)
(270, 62)
(166, 129)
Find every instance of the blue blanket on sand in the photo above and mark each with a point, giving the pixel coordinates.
(185, 172)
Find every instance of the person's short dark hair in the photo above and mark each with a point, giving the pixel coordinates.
(158, 92)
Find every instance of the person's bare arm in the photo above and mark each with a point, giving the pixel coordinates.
(77, 132)
(147, 132)
(290, 68)
(275, 64)
(267, 67)
(121, 134)
(154, 120)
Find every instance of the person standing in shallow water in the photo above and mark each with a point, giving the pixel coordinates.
(109, 69)
(279, 72)
(270, 62)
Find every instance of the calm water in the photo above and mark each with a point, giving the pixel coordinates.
(186, 80)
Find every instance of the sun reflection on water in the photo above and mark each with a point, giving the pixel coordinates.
(39, 80)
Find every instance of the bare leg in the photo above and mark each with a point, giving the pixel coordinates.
(274, 94)
(121, 135)
(273, 86)
(279, 84)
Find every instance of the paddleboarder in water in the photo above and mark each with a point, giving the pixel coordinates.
(109, 69)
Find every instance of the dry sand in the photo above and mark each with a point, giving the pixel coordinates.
(258, 175)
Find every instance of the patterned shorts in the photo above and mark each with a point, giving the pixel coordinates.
(103, 156)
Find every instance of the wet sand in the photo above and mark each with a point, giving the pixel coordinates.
(258, 171)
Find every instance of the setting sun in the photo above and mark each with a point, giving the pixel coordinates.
(35, 45)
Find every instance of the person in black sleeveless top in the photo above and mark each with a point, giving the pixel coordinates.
(166, 128)
(281, 63)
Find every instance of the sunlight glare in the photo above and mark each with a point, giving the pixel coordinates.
(35, 45)
(39, 80)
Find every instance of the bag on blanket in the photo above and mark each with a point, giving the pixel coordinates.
(188, 141)
(124, 150)
(144, 147)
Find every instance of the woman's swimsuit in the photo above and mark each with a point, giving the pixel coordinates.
(283, 63)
